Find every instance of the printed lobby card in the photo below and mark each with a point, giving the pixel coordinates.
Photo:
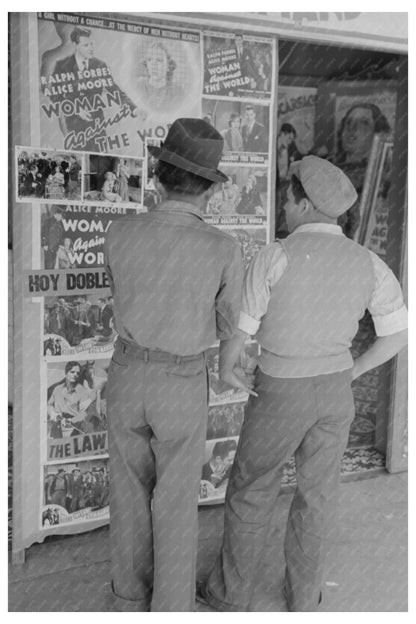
(225, 420)
(113, 180)
(106, 84)
(75, 325)
(48, 175)
(75, 492)
(244, 127)
(218, 459)
(72, 237)
(240, 201)
(76, 414)
(237, 65)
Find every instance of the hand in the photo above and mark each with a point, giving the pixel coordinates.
(219, 472)
(85, 115)
(238, 378)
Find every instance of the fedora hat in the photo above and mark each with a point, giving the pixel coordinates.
(193, 145)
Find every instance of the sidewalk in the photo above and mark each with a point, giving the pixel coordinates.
(366, 567)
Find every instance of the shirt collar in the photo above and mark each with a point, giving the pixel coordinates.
(172, 205)
(322, 228)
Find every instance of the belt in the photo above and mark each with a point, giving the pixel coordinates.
(154, 355)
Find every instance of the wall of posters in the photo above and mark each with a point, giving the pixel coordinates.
(90, 92)
(101, 90)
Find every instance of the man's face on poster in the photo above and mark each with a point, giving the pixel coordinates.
(85, 47)
(250, 116)
(229, 459)
(238, 41)
(358, 132)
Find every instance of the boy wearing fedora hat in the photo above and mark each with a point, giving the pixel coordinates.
(177, 287)
(303, 297)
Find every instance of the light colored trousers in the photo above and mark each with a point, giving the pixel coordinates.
(308, 417)
(157, 413)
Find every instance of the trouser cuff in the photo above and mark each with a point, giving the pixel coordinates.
(125, 604)
(292, 606)
(220, 606)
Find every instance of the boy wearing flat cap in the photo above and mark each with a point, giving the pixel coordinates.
(177, 286)
(303, 297)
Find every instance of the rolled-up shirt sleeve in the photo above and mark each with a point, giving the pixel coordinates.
(386, 306)
(228, 299)
(264, 271)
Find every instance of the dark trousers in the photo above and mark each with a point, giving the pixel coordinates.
(309, 417)
(157, 413)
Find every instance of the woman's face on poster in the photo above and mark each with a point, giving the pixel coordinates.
(236, 123)
(156, 63)
(358, 132)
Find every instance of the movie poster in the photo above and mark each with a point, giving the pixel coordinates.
(296, 109)
(75, 325)
(240, 201)
(107, 84)
(376, 230)
(76, 414)
(73, 236)
(218, 459)
(48, 175)
(75, 492)
(113, 180)
(244, 126)
(237, 65)
(225, 420)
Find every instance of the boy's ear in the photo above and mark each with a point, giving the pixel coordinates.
(305, 205)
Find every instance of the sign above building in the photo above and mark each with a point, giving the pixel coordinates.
(384, 31)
